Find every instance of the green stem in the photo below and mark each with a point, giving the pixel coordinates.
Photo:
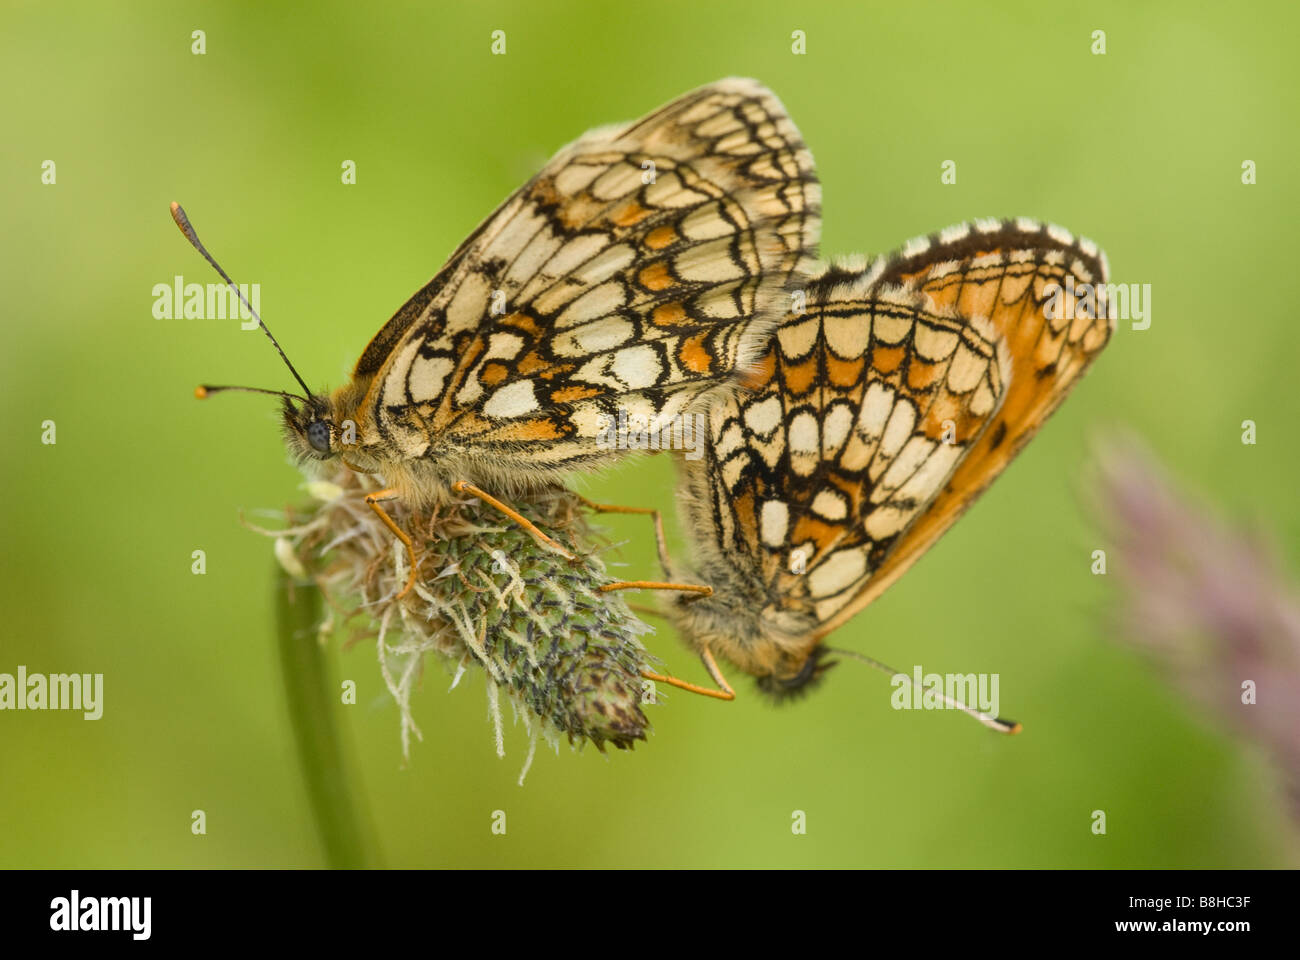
(312, 704)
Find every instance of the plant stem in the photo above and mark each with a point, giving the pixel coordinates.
(312, 704)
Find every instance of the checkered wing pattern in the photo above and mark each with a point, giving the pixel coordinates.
(876, 417)
(642, 266)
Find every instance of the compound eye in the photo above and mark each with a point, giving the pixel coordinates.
(806, 673)
(318, 435)
(793, 684)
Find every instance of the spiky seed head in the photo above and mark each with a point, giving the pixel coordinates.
(567, 656)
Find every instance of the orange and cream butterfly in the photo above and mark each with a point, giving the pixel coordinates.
(644, 265)
(878, 414)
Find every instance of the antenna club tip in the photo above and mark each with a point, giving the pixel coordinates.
(200, 393)
(182, 221)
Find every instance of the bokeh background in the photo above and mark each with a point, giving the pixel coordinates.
(1140, 149)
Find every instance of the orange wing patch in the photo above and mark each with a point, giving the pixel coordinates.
(695, 355)
(656, 277)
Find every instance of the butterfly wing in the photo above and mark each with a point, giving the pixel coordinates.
(879, 415)
(640, 267)
(1018, 275)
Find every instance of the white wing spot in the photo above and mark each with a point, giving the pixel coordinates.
(594, 337)
(503, 345)
(830, 505)
(597, 302)
(916, 245)
(637, 367)
(428, 377)
(576, 177)
(1060, 234)
(803, 433)
(764, 417)
(876, 406)
(954, 233)
(575, 253)
(512, 400)
(886, 521)
(797, 339)
(774, 519)
(841, 569)
(846, 336)
(899, 428)
(836, 423)
(802, 439)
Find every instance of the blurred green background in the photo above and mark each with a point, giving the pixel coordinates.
(1140, 149)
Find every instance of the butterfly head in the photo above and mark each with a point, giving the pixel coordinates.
(309, 428)
(774, 646)
(793, 678)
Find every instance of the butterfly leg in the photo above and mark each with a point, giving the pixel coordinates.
(657, 518)
(372, 501)
(660, 544)
(464, 486)
(701, 589)
(724, 691)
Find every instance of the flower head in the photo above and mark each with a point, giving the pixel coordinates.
(1207, 602)
(487, 594)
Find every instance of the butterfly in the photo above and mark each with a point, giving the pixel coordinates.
(874, 419)
(643, 266)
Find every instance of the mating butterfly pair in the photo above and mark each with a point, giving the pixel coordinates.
(649, 270)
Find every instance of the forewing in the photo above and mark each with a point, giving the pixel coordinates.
(642, 266)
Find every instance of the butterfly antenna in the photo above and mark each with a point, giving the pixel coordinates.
(182, 221)
(990, 721)
(206, 390)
